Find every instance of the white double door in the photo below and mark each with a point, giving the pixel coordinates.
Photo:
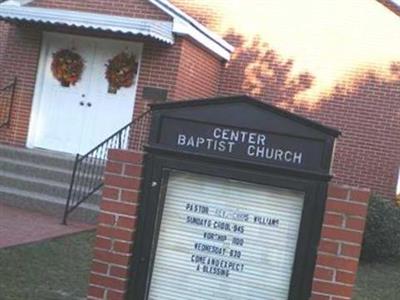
(75, 119)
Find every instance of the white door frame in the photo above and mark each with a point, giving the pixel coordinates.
(40, 76)
(37, 93)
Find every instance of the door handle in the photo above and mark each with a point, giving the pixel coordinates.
(89, 104)
(81, 103)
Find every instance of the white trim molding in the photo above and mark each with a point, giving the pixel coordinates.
(183, 24)
(17, 2)
(159, 30)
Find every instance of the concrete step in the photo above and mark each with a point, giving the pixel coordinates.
(39, 180)
(38, 185)
(36, 156)
(36, 169)
(39, 202)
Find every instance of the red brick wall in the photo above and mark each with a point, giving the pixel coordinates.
(116, 226)
(338, 252)
(128, 8)
(367, 155)
(158, 69)
(4, 29)
(185, 71)
(365, 107)
(20, 58)
(198, 74)
(365, 110)
(340, 244)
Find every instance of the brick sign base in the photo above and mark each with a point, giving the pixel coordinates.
(338, 253)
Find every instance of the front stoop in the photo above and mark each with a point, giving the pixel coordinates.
(38, 180)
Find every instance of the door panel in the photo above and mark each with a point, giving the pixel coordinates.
(58, 114)
(77, 118)
(107, 112)
(61, 116)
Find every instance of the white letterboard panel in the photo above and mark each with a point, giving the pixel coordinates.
(225, 239)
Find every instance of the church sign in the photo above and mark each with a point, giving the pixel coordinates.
(257, 146)
(233, 202)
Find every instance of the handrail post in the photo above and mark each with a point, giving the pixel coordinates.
(71, 187)
(10, 108)
(9, 102)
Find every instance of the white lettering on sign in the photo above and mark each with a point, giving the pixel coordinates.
(207, 143)
(239, 136)
(227, 140)
(225, 239)
(275, 154)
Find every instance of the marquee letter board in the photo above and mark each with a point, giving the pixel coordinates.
(233, 202)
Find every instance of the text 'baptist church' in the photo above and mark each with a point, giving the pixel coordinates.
(227, 140)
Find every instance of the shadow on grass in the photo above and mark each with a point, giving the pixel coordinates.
(55, 269)
(377, 281)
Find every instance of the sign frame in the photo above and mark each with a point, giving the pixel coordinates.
(248, 113)
(151, 210)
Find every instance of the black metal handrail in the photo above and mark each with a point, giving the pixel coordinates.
(7, 94)
(88, 172)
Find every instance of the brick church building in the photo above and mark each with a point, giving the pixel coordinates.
(335, 72)
(336, 63)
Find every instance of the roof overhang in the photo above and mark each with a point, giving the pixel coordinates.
(163, 31)
(393, 5)
(187, 26)
(158, 30)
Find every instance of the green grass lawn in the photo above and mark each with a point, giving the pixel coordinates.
(59, 270)
(378, 281)
(51, 270)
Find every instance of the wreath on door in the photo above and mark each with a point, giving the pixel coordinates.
(121, 71)
(67, 67)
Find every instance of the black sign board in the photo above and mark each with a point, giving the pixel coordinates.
(241, 128)
(244, 144)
